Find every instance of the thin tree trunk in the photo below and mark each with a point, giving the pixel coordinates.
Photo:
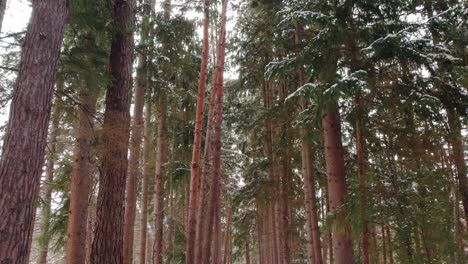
(134, 162)
(108, 240)
(203, 244)
(158, 186)
(384, 244)
(228, 239)
(91, 223)
(146, 175)
(46, 210)
(362, 183)
(215, 213)
(342, 243)
(195, 168)
(26, 134)
(313, 235)
(389, 243)
(247, 253)
(81, 179)
(3, 4)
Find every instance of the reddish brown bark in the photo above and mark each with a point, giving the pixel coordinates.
(342, 243)
(195, 168)
(158, 186)
(134, 161)
(26, 135)
(47, 189)
(108, 240)
(146, 175)
(247, 253)
(81, 180)
(200, 251)
(214, 224)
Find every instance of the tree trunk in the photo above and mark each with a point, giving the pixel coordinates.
(145, 184)
(108, 240)
(134, 162)
(26, 135)
(46, 210)
(314, 249)
(389, 243)
(81, 179)
(342, 243)
(384, 244)
(458, 157)
(247, 253)
(195, 168)
(215, 213)
(362, 183)
(158, 186)
(203, 244)
(228, 239)
(90, 227)
(3, 4)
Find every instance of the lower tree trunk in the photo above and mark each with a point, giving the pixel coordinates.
(247, 253)
(203, 245)
(108, 238)
(342, 243)
(195, 166)
(158, 186)
(134, 162)
(384, 244)
(81, 179)
(389, 243)
(26, 134)
(145, 184)
(44, 237)
(90, 227)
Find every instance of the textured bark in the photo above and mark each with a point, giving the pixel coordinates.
(81, 180)
(215, 213)
(47, 195)
(342, 243)
(3, 4)
(158, 186)
(108, 240)
(26, 135)
(146, 175)
(195, 168)
(134, 160)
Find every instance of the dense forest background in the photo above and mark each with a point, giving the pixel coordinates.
(242, 131)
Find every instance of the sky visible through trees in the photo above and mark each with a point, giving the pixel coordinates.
(234, 131)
